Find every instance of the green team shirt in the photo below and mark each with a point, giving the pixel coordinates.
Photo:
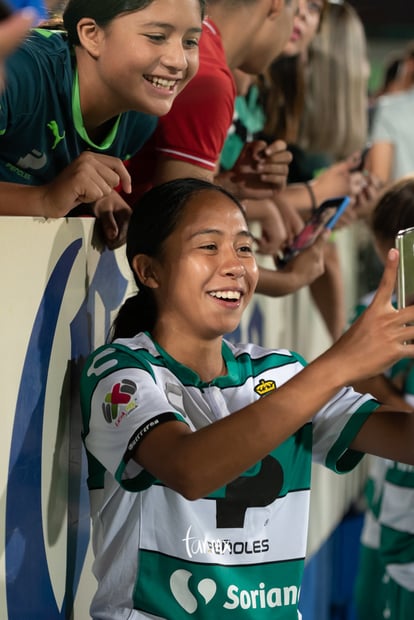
(41, 125)
(248, 120)
(389, 520)
(238, 553)
(396, 515)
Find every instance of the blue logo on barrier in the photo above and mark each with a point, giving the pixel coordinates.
(29, 584)
(28, 581)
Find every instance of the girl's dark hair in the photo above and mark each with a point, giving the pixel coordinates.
(103, 12)
(153, 219)
(394, 210)
(284, 94)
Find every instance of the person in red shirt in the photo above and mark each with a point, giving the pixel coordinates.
(188, 141)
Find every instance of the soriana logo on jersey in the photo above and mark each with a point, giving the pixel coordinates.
(201, 597)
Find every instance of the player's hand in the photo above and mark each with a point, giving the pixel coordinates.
(381, 336)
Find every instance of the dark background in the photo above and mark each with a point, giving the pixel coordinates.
(387, 18)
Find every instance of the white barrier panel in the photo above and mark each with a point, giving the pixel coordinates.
(59, 294)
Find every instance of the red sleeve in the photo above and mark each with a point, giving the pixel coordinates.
(195, 129)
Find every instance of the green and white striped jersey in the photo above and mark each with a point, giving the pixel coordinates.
(396, 519)
(238, 553)
(389, 518)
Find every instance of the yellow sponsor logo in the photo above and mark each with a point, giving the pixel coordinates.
(265, 387)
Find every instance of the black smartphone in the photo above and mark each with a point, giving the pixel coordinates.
(404, 242)
(364, 154)
(324, 218)
(5, 9)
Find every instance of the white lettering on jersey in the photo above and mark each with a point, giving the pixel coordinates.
(261, 598)
(220, 546)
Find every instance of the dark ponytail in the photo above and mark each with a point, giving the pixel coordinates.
(153, 219)
(137, 314)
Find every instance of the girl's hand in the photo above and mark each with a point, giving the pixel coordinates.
(273, 231)
(308, 264)
(368, 197)
(113, 215)
(90, 177)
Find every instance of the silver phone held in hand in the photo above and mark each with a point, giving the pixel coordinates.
(404, 242)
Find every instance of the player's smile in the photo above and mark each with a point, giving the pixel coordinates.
(208, 269)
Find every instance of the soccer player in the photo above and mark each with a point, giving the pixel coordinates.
(200, 451)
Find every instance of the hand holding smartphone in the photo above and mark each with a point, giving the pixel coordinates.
(360, 167)
(324, 218)
(404, 242)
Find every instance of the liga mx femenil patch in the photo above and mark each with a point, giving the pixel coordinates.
(120, 401)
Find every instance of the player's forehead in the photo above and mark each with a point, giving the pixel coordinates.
(211, 211)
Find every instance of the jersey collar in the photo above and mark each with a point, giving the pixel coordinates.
(78, 120)
(189, 377)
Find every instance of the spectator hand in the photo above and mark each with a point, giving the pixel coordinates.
(292, 220)
(348, 216)
(308, 264)
(368, 196)
(262, 168)
(273, 164)
(273, 231)
(90, 177)
(339, 180)
(113, 214)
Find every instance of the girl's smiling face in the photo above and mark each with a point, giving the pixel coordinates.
(207, 273)
(145, 58)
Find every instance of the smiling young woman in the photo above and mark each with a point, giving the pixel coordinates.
(78, 104)
(199, 450)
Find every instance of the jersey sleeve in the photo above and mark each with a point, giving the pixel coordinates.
(121, 403)
(336, 425)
